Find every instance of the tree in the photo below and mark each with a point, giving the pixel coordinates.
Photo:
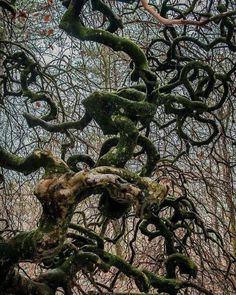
(176, 105)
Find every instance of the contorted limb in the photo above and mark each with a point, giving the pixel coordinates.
(147, 147)
(172, 286)
(102, 106)
(170, 22)
(59, 191)
(123, 151)
(115, 21)
(73, 160)
(29, 71)
(32, 162)
(86, 260)
(72, 24)
(61, 127)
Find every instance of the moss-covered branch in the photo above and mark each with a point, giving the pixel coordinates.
(72, 25)
(73, 161)
(61, 127)
(123, 151)
(115, 21)
(103, 105)
(38, 159)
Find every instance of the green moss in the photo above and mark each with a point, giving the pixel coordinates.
(115, 21)
(170, 286)
(185, 264)
(102, 106)
(221, 8)
(144, 230)
(151, 153)
(139, 277)
(91, 234)
(33, 162)
(73, 26)
(123, 151)
(132, 94)
(73, 160)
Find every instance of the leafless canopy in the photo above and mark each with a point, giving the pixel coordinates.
(117, 147)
